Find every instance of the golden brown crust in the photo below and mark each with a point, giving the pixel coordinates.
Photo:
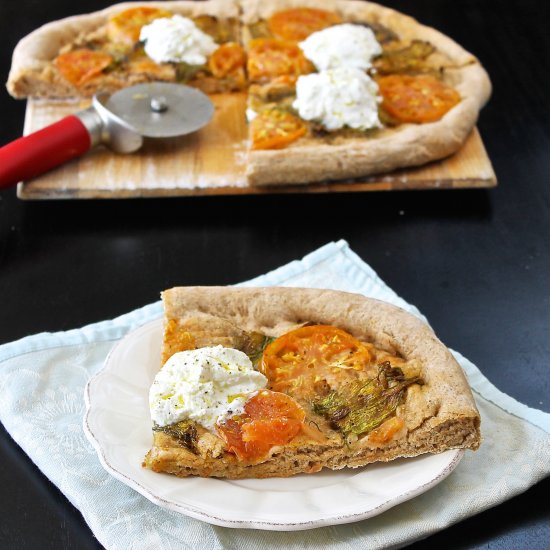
(389, 149)
(439, 415)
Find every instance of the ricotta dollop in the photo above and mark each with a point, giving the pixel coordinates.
(342, 45)
(338, 98)
(176, 39)
(204, 385)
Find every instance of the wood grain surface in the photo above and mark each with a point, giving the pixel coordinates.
(212, 161)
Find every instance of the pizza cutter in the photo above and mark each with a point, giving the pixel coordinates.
(120, 121)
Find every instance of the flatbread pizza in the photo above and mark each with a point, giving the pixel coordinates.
(269, 382)
(336, 89)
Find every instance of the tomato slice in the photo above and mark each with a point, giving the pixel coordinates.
(227, 59)
(270, 419)
(275, 129)
(126, 25)
(269, 58)
(387, 430)
(80, 66)
(297, 360)
(416, 99)
(274, 417)
(298, 23)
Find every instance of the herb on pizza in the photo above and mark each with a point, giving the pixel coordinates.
(410, 59)
(184, 432)
(360, 407)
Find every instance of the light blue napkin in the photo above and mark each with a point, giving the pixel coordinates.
(42, 380)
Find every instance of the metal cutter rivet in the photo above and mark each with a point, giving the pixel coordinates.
(159, 104)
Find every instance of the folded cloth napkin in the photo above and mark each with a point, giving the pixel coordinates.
(42, 380)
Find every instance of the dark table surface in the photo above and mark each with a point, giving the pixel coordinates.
(476, 262)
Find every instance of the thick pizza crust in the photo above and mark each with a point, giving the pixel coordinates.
(404, 146)
(439, 415)
(37, 50)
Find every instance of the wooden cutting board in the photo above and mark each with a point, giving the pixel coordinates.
(212, 162)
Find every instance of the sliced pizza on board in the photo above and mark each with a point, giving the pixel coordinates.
(268, 382)
(337, 89)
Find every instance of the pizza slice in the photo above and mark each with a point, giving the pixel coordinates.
(355, 88)
(189, 42)
(269, 382)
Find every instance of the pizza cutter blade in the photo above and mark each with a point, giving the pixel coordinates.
(121, 121)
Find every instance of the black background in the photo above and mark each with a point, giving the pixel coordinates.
(475, 262)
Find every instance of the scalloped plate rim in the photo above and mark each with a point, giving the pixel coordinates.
(454, 458)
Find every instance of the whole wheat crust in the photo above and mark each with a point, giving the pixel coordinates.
(439, 415)
(309, 159)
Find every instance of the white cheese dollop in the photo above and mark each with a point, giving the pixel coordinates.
(251, 114)
(203, 385)
(337, 98)
(342, 45)
(176, 39)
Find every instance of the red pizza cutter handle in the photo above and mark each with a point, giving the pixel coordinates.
(32, 155)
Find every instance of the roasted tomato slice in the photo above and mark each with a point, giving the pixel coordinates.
(274, 417)
(227, 59)
(126, 25)
(299, 361)
(270, 419)
(275, 129)
(269, 58)
(298, 23)
(416, 98)
(80, 66)
(387, 430)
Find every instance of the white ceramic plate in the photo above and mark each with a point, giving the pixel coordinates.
(118, 424)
